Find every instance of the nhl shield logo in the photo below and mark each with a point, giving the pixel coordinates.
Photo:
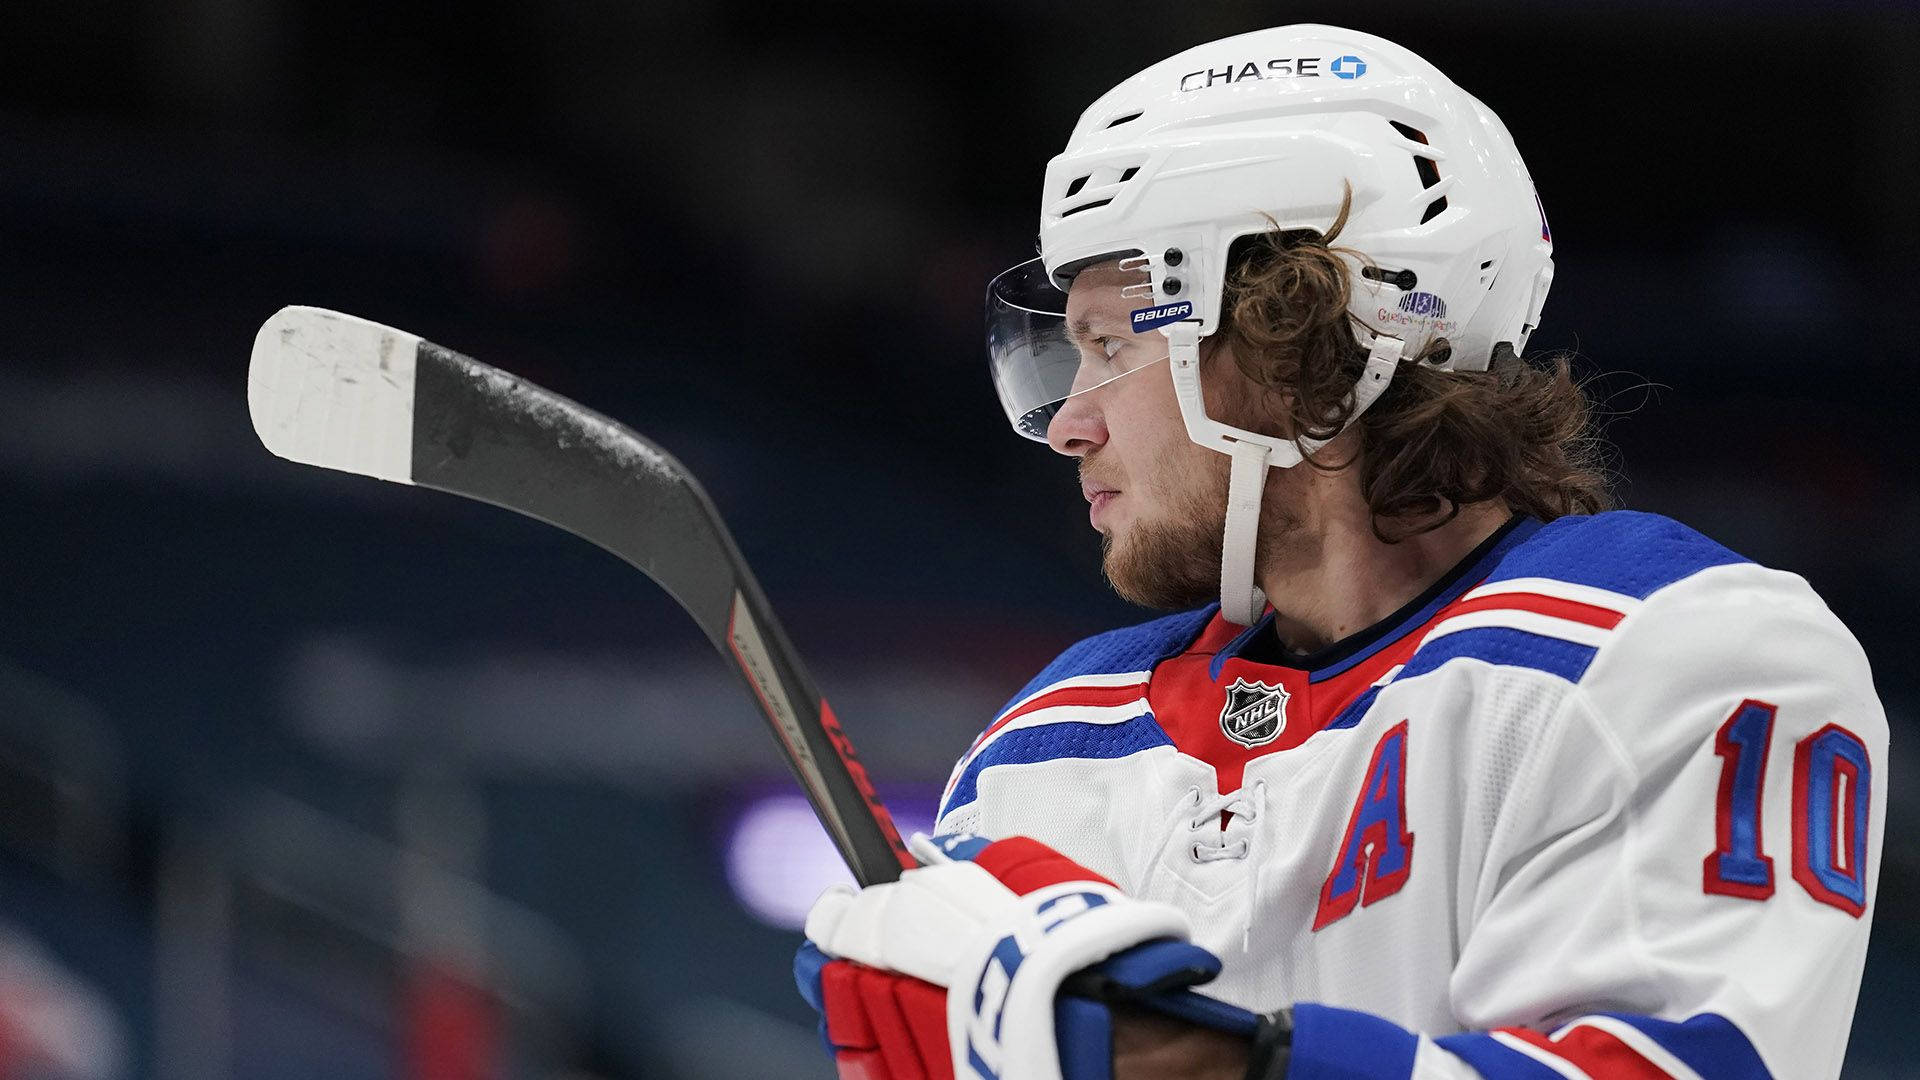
(1255, 714)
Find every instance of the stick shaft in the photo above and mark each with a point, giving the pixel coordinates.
(484, 434)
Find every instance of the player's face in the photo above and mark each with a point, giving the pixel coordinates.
(1158, 499)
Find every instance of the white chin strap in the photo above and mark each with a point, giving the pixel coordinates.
(1241, 601)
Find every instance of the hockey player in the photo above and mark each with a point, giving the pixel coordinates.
(1439, 771)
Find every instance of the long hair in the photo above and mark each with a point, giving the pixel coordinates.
(1521, 431)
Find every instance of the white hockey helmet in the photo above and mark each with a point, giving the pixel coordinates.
(1232, 138)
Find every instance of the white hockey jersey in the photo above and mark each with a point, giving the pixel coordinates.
(1607, 801)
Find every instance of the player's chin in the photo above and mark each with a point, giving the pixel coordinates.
(1157, 571)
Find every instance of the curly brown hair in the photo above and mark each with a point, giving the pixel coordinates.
(1436, 440)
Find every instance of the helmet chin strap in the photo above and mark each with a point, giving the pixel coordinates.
(1241, 601)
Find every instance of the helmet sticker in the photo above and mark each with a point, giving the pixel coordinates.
(1423, 303)
(1297, 67)
(1418, 310)
(1147, 318)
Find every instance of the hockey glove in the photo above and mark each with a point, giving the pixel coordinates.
(996, 961)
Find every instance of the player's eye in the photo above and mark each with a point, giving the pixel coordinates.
(1110, 346)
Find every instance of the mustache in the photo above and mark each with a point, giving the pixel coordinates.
(1090, 475)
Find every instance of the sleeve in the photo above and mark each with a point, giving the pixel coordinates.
(1684, 890)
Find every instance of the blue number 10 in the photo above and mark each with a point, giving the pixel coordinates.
(1737, 867)
(1831, 791)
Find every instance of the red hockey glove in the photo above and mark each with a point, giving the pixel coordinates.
(996, 960)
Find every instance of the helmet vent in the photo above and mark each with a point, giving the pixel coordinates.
(1128, 175)
(1074, 188)
(1399, 279)
(1085, 206)
(1125, 118)
(1426, 167)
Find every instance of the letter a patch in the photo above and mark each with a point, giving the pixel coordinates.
(1377, 851)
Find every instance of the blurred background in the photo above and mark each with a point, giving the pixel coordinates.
(309, 776)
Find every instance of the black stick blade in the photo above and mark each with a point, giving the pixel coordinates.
(343, 393)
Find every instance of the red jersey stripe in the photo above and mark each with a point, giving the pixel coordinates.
(1090, 696)
(1026, 865)
(1570, 610)
(1596, 1052)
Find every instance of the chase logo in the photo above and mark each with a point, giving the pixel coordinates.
(1348, 67)
(1424, 304)
(1285, 67)
(1147, 318)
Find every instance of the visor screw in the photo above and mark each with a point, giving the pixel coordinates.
(1172, 286)
(1173, 257)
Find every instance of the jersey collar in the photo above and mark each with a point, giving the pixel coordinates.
(1260, 644)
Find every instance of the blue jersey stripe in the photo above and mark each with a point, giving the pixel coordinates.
(1709, 1044)
(1054, 741)
(1506, 647)
(1331, 1043)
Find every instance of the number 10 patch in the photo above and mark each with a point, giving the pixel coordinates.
(1832, 792)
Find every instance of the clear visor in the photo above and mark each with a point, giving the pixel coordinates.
(1038, 361)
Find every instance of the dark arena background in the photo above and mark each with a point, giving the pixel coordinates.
(307, 776)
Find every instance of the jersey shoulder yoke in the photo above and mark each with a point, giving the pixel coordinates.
(1124, 651)
(1628, 552)
(1552, 600)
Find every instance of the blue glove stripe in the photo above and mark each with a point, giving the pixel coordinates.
(1084, 1032)
(1161, 965)
(1203, 1010)
(1343, 1044)
(808, 964)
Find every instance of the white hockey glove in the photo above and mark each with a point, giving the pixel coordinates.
(1021, 951)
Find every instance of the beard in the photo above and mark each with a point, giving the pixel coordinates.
(1172, 562)
(1166, 565)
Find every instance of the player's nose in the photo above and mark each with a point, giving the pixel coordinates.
(1078, 428)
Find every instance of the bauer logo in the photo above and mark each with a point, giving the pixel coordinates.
(1147, 318)
(1348, 67)
(1424, 304)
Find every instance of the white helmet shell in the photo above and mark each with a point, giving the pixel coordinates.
(1268, 128)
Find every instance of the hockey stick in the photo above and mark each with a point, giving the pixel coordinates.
(343, 393)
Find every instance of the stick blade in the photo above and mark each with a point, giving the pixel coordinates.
(334, 390)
